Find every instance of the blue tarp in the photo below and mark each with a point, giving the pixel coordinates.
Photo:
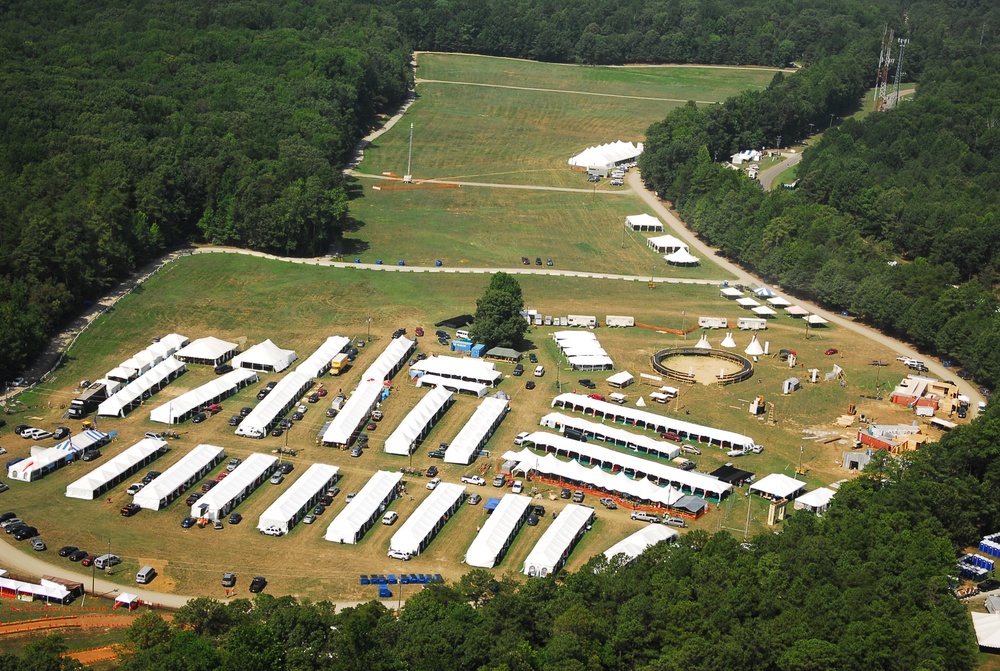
(491, 505)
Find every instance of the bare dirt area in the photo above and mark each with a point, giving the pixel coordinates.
(706, 370)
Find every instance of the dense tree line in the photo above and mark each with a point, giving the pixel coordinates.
(896, 216)
(126, 128)
(863, 588)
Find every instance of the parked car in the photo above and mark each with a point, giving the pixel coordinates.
(597, 397)
(313, 398)
(832, 350)
(228, 579)
(37, 544)
(258, 584)
(431, 471)
(234, 420)
(433, 483)
(538, 260)
(277, 431)
(188, 522)
(565, 493)
(286, 468)
(436, 454)
(134, 488)
(519, 438)
(532, 357)
(235, 518)
(390, 518)
(518, 370)
(61, 433)
(609, 503)
(223, 368)
(518, 487)
(88, 560)
(675, 521)
(690, 449)
(578, 496)
(277, 478)
(309, 519)
(350, 497)
(245, 410)
(217, 524)
(530, 384)
(525, 261)
(499, 480)
(532, 520)
(473, 480)
(548, 262)
(356, 451)
(233, 464)
(90, 455)
(641, 516)
(199, 418)
(67, 550)
(319, 509)
(475, 499)
(79, 555)
(399, 554)
(207, 487)
(297, 416)
(214, 409)
(130, 509)
(539, 510)
(371, 426)
(24, 533)
(272, 531)
(149, 477)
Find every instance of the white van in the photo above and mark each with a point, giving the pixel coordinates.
(539, 371)
(107, 561)
(390, 518)
(462, 334)
(145, 575)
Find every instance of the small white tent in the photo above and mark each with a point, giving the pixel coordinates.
(728, 341)
(682, 257)
(754, 348)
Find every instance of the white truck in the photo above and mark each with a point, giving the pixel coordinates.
(751, 323)
(713, 322)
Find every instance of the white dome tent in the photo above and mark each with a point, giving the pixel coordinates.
(606, 156)
(682, 257)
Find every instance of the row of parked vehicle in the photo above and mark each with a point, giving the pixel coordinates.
(20, 530)
(31, 433)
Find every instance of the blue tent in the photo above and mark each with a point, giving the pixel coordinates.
(491, 505)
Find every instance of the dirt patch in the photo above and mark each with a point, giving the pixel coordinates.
(705, 369)
(163, 583)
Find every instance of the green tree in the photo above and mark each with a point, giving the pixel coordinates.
(498, 320)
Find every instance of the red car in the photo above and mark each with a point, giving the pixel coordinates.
(832, 350)
(88, 560)
(671, 435)
(597, 397)
(214, 409)
(419, 331)
(321, 392)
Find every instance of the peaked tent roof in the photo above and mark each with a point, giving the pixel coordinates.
(643, 221)
(682, 257)
(266, 354)
(403, 440)
(346, 526)
(778, 485)
(557, 541)
(425, 519)
(206, 348)
(728, 340)
(664, 242)
(640, 541)
(492, 538)
(606, 155)
(754, 348)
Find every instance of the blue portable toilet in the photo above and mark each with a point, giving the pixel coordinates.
(364, 580)
(438, 263)
(404, 579)
(391, 579)
(357, 260)
(384, 592)
(401, 263)
(477, 350)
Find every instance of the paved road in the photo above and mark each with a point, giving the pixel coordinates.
(767, 176)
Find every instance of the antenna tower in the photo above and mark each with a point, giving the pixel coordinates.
(408, 177)
(882, 75)
(899, 71)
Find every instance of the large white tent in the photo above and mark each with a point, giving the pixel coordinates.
(418, 422)
(241, 483)
(131, 395)
(606, 156)
(666, 244)
(369, 391)
(117, 469)
(210, 351)
(265, 356)
(43, 460)
(360, 514)
(186, 405)
(459, 368)
(499, 531)
(427, 520)
(46, 589)
(651, 421)
(643, 222)
(266, 414)
(643, 539)
(777, 486)
(689, 482)
(553, 548)
(987, 626)
(458, 386)
(612, 435)
(177, 479)
(300, 497)
(815, 320)
(477, 431)
(317, 363)
(816, 501)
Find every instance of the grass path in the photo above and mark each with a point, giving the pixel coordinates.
(544, 90)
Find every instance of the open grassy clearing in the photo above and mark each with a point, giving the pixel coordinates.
(483, 227)
(298, 306)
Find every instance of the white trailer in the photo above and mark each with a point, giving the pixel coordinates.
(713, 322)
(585, 321)
(619, 321)
(751, 323)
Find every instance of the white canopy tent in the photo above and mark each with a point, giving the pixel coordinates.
(122, 374)
(816, 501)
(458, 386)
(317, 363)
(764, 311)
(747, 302)
(778, 301)
(796, 311)
(815, 320)
(591, 362)
(777, 486)
(266, 414)
(682, 257)
(359, 515)
(46, 590)
(265, 356)
(666, 244)
(612, 435)
(477, 431)
(132, 394)
(175, 341)
(564, 337)
(43, 460)
(606, 156)
(428, 519)
(620, 380)
(987, 626)
(731, 292)
(643, 222)
(472, 370)
(553, 548)
(241, 483)
(634, 545)
(499, 531)
(300, 497)
(174, 481)
(418, 422)
(651, 421)
(116, 470)
(210, 351)
(213, 391)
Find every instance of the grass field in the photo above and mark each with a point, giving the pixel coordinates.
(299, 306)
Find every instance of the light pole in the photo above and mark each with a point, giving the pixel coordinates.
(832, 116)
(369, 322)
(684, 332)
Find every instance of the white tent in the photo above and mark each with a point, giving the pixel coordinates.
(477, 389)
(682, 257)
(754, 348)
(652, 421)
(562, 336)
(317, 363)
(300, 497)
(703, 343)
(477, 431)
(728, 341)
(213, 391)
(643, 222)
(427, 520)
(132, 394)
(175, 341)
(174, 481)
(44, 460)
(265, 415)
(122, 374)
(764, 311)
(815, 320)
(731, 292)
(359, 515)
(116, 470)
(418, 422)
(612, 435)
(590, 362)
(747, 302)
(606, 156)
(778, 301)
(241, 483)
(634, 545)
(777, 486)
(459, 368)
(816, 501)
(796, 311)
(265, 356)
(553, 548)
(620, 380)
(499, 531)
(987, 626)
(210, 351)
(46, 590)
(666, 244)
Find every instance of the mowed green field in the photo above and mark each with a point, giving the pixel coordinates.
(482, 227)
(522, 120)
(298, 306)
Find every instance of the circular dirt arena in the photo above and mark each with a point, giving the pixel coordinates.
(702, 366)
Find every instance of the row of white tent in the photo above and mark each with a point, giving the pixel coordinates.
(174, 481)
(754, 348)
(184, 406)
(44, 460)
(136, 391)
(117, 469)
(142, 361)
(477, 389)
(733, 293)
(458, 368)
(419, 529)
(637, 442)
(582, 350)
(418, 422)
(237, 486)
(553, 548)
(368, 393)
(300, 497)
(46, 589)
(477, 431)
(650, 421)
(606, 156)
(361, 513)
